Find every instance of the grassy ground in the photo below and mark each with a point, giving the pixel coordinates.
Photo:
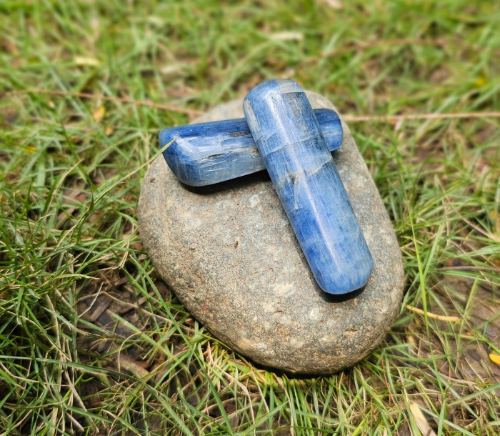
(71, 169)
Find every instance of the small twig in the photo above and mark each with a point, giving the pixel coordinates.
(380, 43)
(125, 306)
(433, 315)
(194, 112)
(129, 364)
(101, 97)
(392, 118)
(468, 268)
(389, 42)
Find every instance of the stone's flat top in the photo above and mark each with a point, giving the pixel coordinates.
(308, 184)
(229, 253)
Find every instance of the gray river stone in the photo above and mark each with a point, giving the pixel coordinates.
(231, 256)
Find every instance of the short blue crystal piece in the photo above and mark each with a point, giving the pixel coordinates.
(302, 170)
(208, 153)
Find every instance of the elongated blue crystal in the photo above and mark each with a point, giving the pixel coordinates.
(302, 170)
(208, 153)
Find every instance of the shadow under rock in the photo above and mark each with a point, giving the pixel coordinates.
(228, 185)
(333, 298)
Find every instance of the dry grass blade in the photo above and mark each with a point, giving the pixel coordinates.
(98, 114)
(420, 420)
(392, 42)
(127, 363)
(194, 112)
(151, 104)
(399, 118)
(495, 358)
(433, 315)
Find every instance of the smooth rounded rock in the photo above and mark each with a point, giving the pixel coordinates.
(230, 255)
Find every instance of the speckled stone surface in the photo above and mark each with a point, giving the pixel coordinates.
(229, 253)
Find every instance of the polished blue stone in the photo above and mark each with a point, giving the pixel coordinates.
(208, 153)
(302, 170)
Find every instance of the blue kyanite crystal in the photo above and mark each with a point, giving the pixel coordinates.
(208, 153)
(301, 167)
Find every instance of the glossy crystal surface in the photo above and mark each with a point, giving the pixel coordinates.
(304, 175)
(208, 153)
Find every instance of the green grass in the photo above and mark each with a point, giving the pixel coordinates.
(70, 178)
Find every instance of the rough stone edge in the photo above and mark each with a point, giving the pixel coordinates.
(317, 101)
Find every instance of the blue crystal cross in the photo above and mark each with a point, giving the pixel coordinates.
(282, 133)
